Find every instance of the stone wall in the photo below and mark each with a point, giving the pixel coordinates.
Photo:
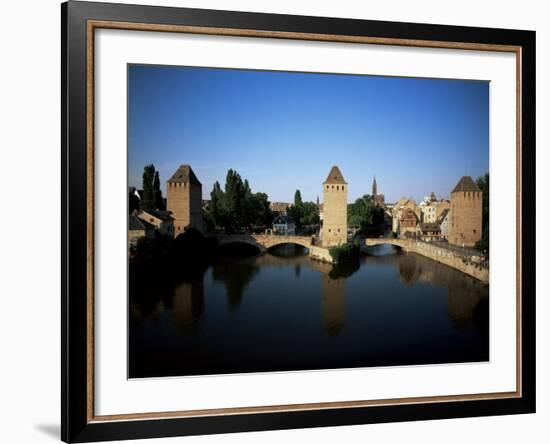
(335, 214)
(441, 255)
(184, 200)
(451, 259)
(466, 218)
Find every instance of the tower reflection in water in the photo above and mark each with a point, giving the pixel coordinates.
(284, 311)
(188, 304)
(334, 304)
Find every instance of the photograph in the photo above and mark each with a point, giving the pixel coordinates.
(286, 221)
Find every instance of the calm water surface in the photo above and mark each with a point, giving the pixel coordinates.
(283, 311)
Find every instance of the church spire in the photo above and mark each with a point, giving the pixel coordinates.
(374, 188)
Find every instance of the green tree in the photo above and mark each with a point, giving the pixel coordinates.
(367, 215)
(236, 206)
(310, 214)
(261, 215)
(483, 184)
(217, 201)
(148, 198)
(157, 193)
(298, 199)
(295, 211)
(234, 201)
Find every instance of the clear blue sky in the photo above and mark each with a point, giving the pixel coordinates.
(283, 131)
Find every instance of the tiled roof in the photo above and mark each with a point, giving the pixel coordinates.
(134, 223)
(184, 174)
(159, 214)
(335, 176)
(283, 220)
(426, 227)
(408, 214)
(443, 215)
(466, 183)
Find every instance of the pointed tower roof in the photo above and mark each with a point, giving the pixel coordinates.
(466, 183)
(335, 176)
(184, 174)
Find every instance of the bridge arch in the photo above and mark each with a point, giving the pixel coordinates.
(264, 241)
(402, 244)
(224, 241)
(305, 248)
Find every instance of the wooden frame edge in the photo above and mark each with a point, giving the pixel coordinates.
(96, 24)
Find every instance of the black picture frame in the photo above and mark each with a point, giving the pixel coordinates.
(76, 423)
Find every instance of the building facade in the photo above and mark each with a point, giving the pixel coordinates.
(335, 209)
(399, 208)
(137, 229)
(443, 221)
(428, 209)
(284, 225)
(161, 220)
(408, 222)
(465, 227)
(280, 208)
(184, 200)
(429, 231)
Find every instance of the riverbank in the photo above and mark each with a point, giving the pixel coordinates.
(461, 262)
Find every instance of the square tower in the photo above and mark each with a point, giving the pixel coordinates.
(465, 226)
(184, 200)
(335, 209)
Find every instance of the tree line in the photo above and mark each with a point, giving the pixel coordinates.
(367, 215)
(151, 195)
(304, 214)
(483, 184)
(236, 207)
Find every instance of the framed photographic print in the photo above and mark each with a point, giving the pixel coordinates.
(275, 221)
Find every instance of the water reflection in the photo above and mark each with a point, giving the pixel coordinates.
(188, 304)
(334, 304)
(235, 274)
(283, 311)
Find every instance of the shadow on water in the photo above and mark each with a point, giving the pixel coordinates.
(236, 275)
(467, 299)
(288, 250)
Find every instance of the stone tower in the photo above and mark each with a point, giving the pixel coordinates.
(465, 226)
(184, 200)
(374, 188)
(335, 209)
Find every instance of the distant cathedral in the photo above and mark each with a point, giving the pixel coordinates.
(378, 198)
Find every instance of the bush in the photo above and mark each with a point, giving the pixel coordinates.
(346, 252)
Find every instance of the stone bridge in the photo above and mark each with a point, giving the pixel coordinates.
(263, 241)
(404, 244)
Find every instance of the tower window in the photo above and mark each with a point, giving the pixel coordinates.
(342, 187)
(336, 187)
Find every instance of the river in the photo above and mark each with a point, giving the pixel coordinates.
(282, 311)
